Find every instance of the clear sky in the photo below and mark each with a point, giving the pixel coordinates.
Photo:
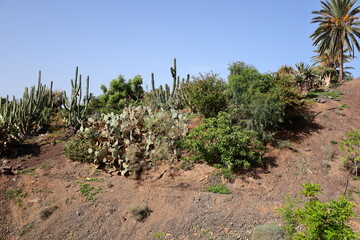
(106, 38)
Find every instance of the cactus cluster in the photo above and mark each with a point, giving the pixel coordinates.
(8, 110)
(77, 104)
(132, 141)
(34, 107)
(30, 112)
(24, 116)
(165, 98)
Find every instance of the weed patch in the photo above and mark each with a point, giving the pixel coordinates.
(28, 171)
(219, 188)
(15, 194)
(89, 191)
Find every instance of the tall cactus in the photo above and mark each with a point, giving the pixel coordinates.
(8, 110)
(33, 107)
(77, 105)
(162, 97)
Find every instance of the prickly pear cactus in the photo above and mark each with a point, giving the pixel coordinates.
(9, 137)
(131, 141)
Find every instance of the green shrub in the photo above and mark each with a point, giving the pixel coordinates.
(77, 148)
(260, 101)
(219, 141)
(219, 188)
(205, 94)
(351, 146)
(312, 219)
(120, 94)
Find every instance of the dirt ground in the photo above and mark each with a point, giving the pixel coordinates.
(46, 201)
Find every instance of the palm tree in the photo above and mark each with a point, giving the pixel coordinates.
(327, 63)
(305, 76)
(338, 29)
(286, 70)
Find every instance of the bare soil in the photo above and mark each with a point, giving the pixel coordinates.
(51, 204)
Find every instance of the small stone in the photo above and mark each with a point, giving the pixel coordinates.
(7, 170)
(19, 167)
(307, 149)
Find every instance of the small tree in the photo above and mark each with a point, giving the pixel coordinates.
(120, 93)
(314, 220)
(205, 94)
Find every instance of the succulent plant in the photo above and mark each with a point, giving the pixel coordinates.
(76, 105)
(33, 107)
(165, 98)
(29, 112)
(130, 141)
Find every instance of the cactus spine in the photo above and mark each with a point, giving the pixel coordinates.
(162, 97)
(77, 105)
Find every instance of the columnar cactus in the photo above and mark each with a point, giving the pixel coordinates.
(8, 110)
(32, 106)
(30, 111)
(76, 105)
(162, 97)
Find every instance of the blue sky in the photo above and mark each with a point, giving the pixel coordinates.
(111, 37)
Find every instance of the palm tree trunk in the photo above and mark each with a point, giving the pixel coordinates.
(341, 74)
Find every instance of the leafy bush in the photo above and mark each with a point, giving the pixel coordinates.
(219, 141)
(260, 101)
(351, 145)
(205, 94)
(77, 148)
(285, 91)
(312, 219)
(120, 94)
